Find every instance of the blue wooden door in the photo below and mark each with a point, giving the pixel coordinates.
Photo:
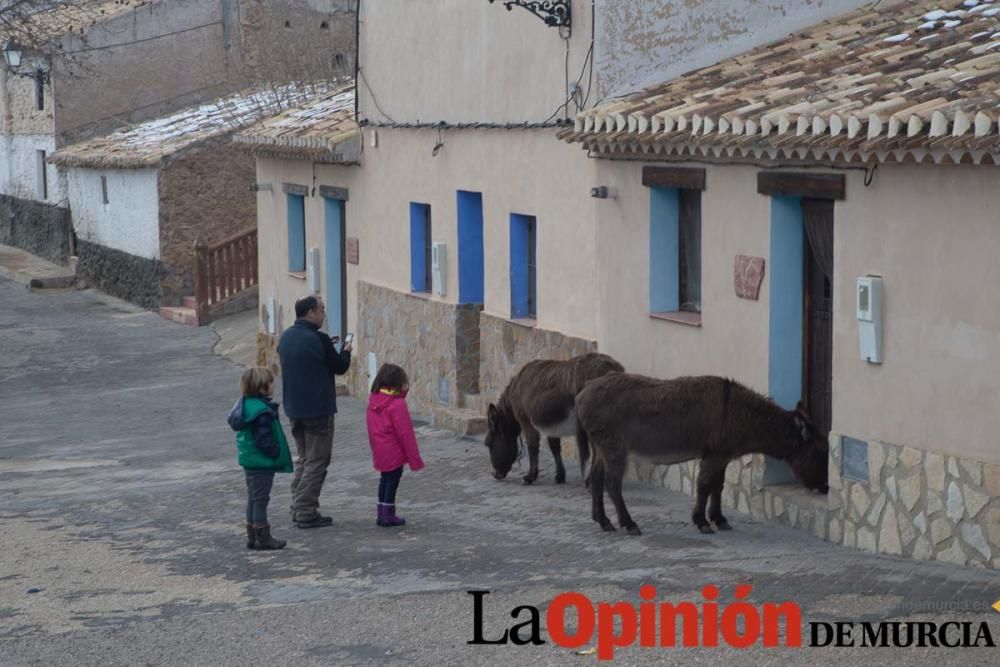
(470, 247)
(336, 269)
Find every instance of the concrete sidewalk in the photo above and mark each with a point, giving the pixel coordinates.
(26, 269)
(122, 542)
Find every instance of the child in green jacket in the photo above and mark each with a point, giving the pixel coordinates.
(261, 449)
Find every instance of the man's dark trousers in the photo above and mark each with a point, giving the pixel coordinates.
(314, 448)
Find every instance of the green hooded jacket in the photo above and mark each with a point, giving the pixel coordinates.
(248, 454)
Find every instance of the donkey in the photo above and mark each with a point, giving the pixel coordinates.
(538, 401)
(671, 421)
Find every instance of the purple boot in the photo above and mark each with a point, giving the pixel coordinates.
(387, 516)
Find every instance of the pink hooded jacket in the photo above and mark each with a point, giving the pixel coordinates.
(390, 433)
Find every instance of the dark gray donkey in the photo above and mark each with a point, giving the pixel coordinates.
(671, 421)
(540, 401)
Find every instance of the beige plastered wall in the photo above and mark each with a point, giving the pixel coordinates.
(527, 172)
(933, 234)
(462, 61)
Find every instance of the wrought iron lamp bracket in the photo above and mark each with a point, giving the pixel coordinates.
(555, 13)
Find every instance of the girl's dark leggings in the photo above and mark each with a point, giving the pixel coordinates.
(388, 484)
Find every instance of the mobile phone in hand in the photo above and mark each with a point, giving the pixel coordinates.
(348, 340)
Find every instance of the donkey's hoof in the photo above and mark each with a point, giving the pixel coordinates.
(528, 480)
(561, 479)
(633, 529)
(706, 529)
(607, 526)
(722, 524)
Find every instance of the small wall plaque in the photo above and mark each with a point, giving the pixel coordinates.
(854, 457)
(353, 251)
(748, 276)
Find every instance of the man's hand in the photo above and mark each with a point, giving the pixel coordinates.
(348, 347)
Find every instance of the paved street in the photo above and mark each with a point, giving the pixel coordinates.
(122, 537)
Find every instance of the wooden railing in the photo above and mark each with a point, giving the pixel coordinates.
(224, 269)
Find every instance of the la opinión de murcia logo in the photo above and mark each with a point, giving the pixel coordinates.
(572, 620)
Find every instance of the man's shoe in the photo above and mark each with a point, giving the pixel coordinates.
(318, 521)
(250, 536)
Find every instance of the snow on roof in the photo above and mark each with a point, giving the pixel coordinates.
(916, 80)
(315, 129)
(147, 144)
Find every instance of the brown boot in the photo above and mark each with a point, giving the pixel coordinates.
(250, 536)
(263, 540)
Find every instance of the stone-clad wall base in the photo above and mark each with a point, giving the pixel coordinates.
(920, 504)
(41, 229)
(506, 346)
(120, 274)
(917, 504)
(414, 332)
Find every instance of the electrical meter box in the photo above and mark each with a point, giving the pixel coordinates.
(313, 270)
(869, 315)
(439, 268)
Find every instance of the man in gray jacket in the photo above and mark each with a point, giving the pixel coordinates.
(309, 363)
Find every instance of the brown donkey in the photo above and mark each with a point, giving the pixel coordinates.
(671, 421)
(540, 401)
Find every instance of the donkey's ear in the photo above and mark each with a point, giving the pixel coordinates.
(491, 416)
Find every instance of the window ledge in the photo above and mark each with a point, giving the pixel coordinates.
(527, 322)
(298, 275)
(680, 317)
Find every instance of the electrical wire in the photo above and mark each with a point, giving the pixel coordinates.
(146, 39)
(371, 92)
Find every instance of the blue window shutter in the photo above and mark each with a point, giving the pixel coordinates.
(664, 250)
(470, 247)
(519, 286)
(296, 233)
(418, 241)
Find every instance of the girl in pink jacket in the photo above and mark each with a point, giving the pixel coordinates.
(391, 436)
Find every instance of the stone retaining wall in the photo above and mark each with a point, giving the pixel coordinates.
(120, 274)
(41, 229)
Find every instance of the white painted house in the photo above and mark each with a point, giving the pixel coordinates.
(143, 196)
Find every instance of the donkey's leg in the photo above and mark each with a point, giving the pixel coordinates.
(556, 446)
(583, 447)
(534, 440)
(597, 495)
(614, 472)
(715, 500)
(707, 472)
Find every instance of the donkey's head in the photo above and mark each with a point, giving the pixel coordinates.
(502, 434)
(810, 457)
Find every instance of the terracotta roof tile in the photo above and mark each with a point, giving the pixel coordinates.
(315, 129)
(885, 78)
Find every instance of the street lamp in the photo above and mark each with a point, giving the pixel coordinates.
(12, 54)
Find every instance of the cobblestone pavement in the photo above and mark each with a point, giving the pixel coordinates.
(121, 510)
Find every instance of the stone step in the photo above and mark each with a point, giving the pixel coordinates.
(189, 302)
(460, 420)
(180, 315)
